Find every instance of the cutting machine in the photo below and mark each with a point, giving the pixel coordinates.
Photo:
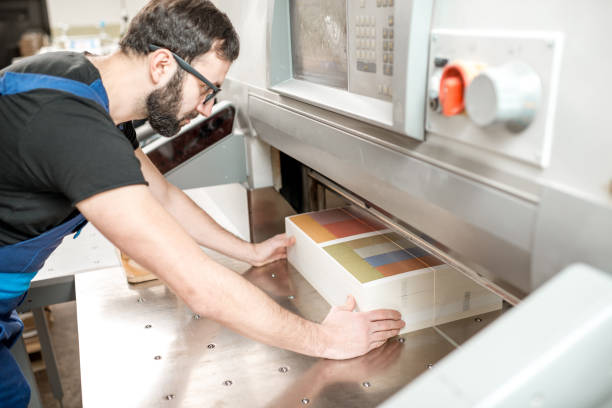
(476, 129)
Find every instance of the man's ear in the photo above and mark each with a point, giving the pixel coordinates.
(161, 66)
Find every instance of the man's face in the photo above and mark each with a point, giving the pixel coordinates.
(181, 99)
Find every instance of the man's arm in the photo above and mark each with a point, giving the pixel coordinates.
(132, 219)
(205, 230)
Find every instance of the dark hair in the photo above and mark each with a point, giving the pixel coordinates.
(189, 28)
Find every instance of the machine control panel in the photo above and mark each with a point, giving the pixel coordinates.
(371, 45)
(495, 90)
(366, 59)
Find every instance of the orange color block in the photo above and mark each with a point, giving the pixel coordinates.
(312, 228)
(348, 228)
(408, 265)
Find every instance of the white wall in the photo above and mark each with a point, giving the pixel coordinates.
(89, 12)
(250, 18)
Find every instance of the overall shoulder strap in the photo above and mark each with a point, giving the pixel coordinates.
(17, 82)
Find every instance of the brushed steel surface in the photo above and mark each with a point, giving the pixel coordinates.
(118, 365)
(267, 212)
(570, 229)
(123, 328)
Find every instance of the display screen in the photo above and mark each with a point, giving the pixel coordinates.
(318, 41)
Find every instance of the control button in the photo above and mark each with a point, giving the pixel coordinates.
(508, 94)
(366, 66)
(453, 83)
(390, 21)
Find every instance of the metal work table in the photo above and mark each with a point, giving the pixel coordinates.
(142, 347)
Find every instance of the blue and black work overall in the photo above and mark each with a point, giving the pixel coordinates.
(20, 262)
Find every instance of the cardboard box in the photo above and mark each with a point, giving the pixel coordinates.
(341, 252)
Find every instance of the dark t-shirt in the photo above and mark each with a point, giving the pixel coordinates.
(57, 149)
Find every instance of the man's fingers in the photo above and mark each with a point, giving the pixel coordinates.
(384, 325)
(384, 314)
(349, 305)
(383, 335)
(284, 240)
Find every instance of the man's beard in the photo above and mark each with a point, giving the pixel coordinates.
(163, 107)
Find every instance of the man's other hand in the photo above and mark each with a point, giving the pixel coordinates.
(271, 249)
(349, 334)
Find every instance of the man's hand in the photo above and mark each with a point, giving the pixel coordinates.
(350, 334)
(271, 249)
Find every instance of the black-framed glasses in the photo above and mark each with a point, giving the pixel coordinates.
(184, 65)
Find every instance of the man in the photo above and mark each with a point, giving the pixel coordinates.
(69, 153)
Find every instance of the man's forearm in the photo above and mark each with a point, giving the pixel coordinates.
(249, 311)
(137, 224)
(198, 224)
(203, 228)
